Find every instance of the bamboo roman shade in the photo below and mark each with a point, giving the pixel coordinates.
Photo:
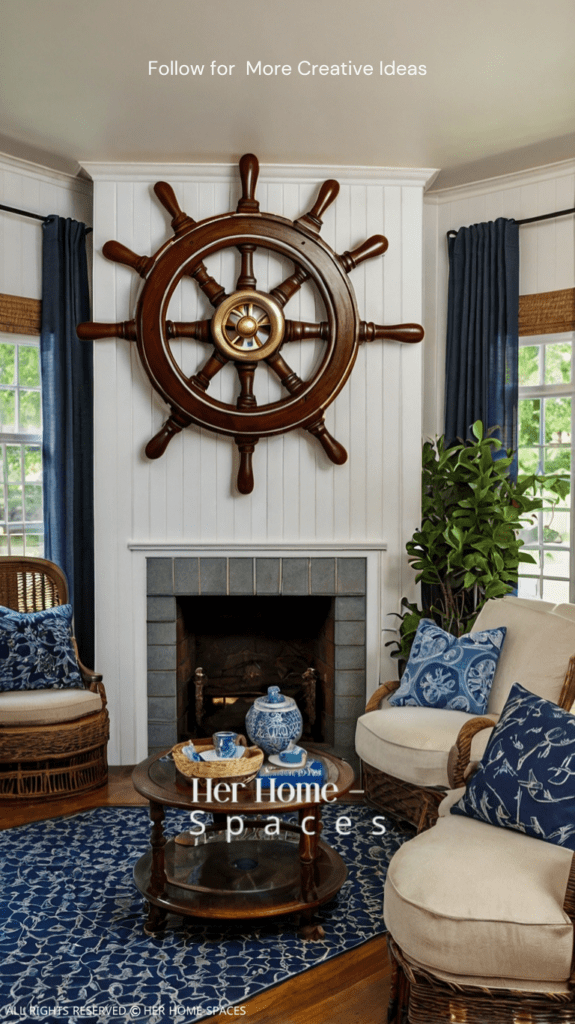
(547, 312)
(19, 315)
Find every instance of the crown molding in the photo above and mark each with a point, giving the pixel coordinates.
(297, 173)
(39, 172)
(486, 186)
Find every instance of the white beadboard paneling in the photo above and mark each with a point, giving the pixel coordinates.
(433, 373)
(411, 366)
(188, 497)
(564, 261)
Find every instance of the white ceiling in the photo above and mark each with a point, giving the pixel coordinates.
(498, 96)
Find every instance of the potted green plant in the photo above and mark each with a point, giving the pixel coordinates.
(468, 549)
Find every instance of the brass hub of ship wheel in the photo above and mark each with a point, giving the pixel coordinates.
(248, 326)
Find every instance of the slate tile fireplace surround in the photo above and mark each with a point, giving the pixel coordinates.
(170, 660)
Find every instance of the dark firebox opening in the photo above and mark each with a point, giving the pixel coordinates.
(245, 644)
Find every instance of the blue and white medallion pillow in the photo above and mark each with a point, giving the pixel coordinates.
(445, 671)
(36, 650)
(526, 777)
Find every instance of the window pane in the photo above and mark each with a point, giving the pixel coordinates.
(16, 544)
(557, 460)
(35, 545)
(28, 366)
(14, 503)
(33, 462)
(529, 421)
(7, 364)
(34, 503)
(8, 411)
(558, 363)
(556, 591)
(528, 568)
(528, 587)
(558, 420)
(13, 458)
(529, 460)
(556, 563)
(556, 527)
(3, 544)
(530, 533)
(529, 373)
(30, 412)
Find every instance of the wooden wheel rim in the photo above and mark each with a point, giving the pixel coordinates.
(180, 256)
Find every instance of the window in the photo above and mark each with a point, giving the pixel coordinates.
(21, 519)
(546, 410)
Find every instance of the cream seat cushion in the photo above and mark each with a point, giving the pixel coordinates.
(413, 744)
(481, 902)
(46, 707)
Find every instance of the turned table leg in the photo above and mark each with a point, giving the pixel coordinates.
(311, 826)
(156, 919)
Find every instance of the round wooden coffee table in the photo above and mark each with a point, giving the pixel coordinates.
(256, 874)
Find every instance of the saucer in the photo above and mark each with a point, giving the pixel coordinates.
(210, 755)
(277, 759)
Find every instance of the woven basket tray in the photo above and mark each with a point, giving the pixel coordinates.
(233, 769)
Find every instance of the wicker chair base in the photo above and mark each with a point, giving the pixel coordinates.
(417, 997)
(404, 802)
(56, 760)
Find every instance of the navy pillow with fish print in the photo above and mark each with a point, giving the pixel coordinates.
(526, 777)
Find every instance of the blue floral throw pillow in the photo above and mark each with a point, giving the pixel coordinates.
(445, 671)
(525, 780)
(36, 650)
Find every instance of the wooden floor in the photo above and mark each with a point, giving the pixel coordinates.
(350, 989)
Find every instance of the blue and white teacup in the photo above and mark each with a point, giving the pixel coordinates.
(225, 743)
(190, 752)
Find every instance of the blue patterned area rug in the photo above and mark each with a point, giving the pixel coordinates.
(72, 943)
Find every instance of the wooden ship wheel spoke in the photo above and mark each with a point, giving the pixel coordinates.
(248, 327)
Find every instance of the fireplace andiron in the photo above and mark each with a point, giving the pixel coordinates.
(248, 326)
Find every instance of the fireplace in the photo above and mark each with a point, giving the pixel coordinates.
(276, 613)
(239, 646)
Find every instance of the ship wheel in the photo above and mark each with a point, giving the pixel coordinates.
(248, 326)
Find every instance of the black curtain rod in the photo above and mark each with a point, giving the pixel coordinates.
(545, 216)
(528, 220)
(26, 213)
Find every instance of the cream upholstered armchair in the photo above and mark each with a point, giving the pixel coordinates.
(481, 907)
(481, 926)
(412, 755)
(53, 737)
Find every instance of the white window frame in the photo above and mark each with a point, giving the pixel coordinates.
(566, 390)
(24, 440)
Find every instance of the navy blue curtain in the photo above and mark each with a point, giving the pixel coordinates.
(67, 388)
(482, 331)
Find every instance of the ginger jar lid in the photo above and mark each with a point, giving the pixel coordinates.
(274, 701)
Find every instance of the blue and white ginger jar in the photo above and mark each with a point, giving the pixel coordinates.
(273, 721)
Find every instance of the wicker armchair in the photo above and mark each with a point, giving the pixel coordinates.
(52, 742)
(481, 926)
(411, 756)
